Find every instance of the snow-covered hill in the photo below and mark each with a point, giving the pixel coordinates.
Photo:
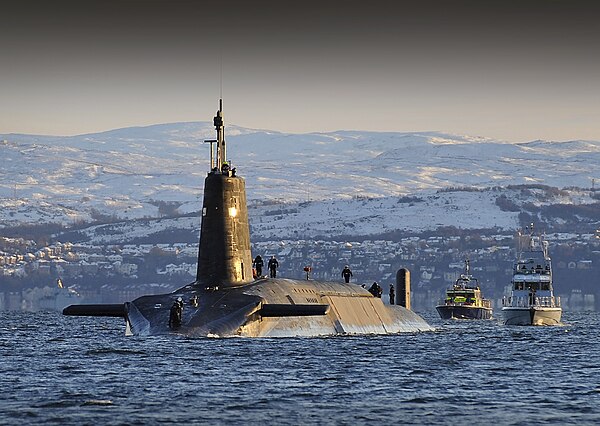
(353, 180)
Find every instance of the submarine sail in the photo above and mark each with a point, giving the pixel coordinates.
(225, 299)
(224, 255)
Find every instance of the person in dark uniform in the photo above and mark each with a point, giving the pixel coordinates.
(258, 264)
(176, 313)
(392, 294)
(273, 265)
(308, 270)
(346, 273)
(376, 290)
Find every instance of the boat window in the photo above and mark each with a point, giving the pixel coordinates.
(518, 285)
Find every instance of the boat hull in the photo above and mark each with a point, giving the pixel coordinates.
(463, 312)
(531, 315)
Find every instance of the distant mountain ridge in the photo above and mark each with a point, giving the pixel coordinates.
(130, 173)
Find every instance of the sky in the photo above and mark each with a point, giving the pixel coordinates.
(510, 70)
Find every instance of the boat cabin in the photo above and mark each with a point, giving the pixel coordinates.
(463, 296)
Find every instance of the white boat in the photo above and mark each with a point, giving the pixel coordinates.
(532, 300)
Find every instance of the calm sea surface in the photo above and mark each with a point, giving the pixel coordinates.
(69, 370)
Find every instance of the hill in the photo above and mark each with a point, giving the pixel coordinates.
(345, 182)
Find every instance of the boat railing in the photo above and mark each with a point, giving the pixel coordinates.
(527, 301)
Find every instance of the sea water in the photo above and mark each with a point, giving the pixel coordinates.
(69, 370)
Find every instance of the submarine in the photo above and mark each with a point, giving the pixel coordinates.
(227, 300)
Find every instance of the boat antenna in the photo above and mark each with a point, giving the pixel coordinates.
(467, 266)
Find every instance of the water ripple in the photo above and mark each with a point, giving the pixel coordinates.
(69, 370)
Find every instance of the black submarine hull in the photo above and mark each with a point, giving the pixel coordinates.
(264, 308)
(272, 308)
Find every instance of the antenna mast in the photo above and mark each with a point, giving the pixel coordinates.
(218, 158)
(220, 128)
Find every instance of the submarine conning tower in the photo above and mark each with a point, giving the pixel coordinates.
(224, 254)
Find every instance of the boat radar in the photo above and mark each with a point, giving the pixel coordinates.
(226, 300)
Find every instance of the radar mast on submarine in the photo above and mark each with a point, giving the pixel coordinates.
(218, 157)
(226, 300)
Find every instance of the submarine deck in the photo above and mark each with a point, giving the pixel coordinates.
(273, 307)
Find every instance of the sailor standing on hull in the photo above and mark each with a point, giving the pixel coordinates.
(176, 313)
(376, 290)
(273, 265)
(258, 264)
(346, 273)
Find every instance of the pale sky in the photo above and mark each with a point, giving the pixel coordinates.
(512, 70)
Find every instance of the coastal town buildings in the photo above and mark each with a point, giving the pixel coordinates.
(116, 273)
